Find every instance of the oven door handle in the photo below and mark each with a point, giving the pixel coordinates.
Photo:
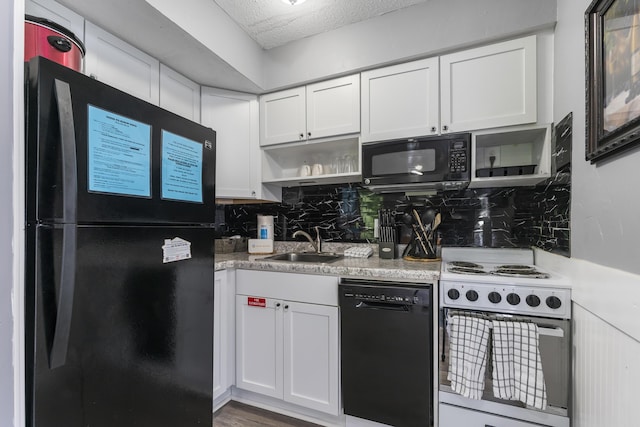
(551, 332)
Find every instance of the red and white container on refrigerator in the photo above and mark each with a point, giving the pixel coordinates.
(46, 38)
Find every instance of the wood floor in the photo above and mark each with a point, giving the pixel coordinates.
(235, 414)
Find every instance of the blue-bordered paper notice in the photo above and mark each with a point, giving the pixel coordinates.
(181, 168)
(119, 154)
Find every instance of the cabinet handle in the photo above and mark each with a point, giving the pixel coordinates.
(445, 128)
(277, 305)
(309, 134)
(433, 128)
(286, 307)
(302, 136)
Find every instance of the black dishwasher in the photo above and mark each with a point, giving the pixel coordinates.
(386, 346)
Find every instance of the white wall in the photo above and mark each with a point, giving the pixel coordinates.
(11, 30)
(417, 31)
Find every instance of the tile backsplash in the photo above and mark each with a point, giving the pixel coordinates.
(495, 217)
(489, 217)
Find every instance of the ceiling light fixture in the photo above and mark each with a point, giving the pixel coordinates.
(293, 2)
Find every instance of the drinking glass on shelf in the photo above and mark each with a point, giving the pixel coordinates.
(349, 166)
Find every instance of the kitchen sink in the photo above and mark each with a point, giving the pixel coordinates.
(322, 257)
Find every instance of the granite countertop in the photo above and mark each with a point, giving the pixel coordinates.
(372, 267)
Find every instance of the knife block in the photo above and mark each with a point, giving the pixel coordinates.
(387, 250)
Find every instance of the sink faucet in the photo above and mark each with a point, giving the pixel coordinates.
(317, 245)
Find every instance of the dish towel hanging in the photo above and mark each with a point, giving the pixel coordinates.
(468, 341)
(517, 368)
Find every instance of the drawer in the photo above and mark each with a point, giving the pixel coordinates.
(308, 288)
(455, 416)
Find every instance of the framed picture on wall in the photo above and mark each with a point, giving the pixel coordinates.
(613, 77)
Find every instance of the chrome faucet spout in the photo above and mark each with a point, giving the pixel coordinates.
(317, 245)
(308, 237)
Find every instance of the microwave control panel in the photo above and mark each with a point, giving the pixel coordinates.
(458, 157)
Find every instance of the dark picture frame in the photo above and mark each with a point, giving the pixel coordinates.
(612, 77)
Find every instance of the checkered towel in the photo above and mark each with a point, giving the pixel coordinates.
(517, 368)
(468, 340)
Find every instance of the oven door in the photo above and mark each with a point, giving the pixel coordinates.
(417, 161)
(555, 352)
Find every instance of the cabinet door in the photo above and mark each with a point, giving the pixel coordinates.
(333, 107)
(179, 95)
(259, 346)
(311, 359)
(490, 86)
(234, 117)
(400, 101)
(283, 116)
(118, 64)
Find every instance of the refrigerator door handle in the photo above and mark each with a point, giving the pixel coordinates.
(64, 312)
(68, 146)
(60, 342)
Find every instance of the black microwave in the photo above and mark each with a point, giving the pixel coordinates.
(412, 164)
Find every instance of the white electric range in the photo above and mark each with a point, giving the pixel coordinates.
(505, 284)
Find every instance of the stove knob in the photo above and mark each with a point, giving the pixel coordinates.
(533, 301)
(453, 294)
(495, 297)
(472, 295)
(513, 299)
(554, 302)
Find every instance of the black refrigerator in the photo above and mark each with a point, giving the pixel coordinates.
(120, 209)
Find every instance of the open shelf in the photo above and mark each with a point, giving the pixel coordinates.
(521, 156)
(281, 164)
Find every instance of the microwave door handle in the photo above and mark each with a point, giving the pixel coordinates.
(550, 332)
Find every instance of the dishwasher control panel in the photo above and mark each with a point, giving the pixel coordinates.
(386, 293)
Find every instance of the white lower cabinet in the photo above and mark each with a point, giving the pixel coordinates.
(287, 349)
(223, 333)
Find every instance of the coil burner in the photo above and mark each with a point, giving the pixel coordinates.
(517, 272)
(465, 264)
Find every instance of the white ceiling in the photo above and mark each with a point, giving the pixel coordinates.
(272, 23)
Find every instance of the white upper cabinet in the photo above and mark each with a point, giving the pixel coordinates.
(319, 110)
(234, 117)
(490, 86)
(55, 12)
(178, 94)
(487, 87)
(333, 107)
(400, 101)
(118, 64)
(283, 116)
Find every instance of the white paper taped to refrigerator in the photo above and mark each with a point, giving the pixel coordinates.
(175, 249)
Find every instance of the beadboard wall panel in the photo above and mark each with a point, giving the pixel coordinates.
(606, 373)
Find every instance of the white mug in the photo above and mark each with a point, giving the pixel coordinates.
(305, 170)
(316, 169)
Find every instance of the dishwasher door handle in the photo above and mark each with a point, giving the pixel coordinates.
(381, 306)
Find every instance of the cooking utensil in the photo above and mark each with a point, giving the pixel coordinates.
(415, 228)
(428, 216)
(436, 223)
